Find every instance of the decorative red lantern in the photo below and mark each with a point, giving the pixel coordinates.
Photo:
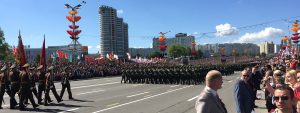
(193, 44)
(194, 52)
(161, 39)
(162, 47)
(283, 47)
(73, 27)
(295, 38)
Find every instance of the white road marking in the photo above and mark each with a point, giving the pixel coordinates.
(174, 86)
(137, 94)
(112, 104)
(192, 98)
(69, 110)
(92, 85)
(139, 100)
(89, 92)
(5, 96)
(230, 81)
(137, 85)
(147, 95)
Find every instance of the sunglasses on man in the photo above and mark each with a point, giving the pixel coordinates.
(276, 98)
(245, 75)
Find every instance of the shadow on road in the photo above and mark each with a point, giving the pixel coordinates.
(43, 110)
(81, 100)
(67, 105)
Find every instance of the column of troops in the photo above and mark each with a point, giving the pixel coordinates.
(174, 74)
(22, 83)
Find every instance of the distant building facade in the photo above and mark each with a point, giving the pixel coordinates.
(180, 38)
(267, 48)
(113, 32)
(229, 49)
(141, 51)
(32, 53)
(277, 48)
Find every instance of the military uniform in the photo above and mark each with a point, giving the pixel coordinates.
(50, 86)
(25, 88)
(15, 84)
(41, 83)
(65, 83)
(3, 84)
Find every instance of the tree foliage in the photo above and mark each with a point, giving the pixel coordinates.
(199, 54)
(177, 51)
(37, 58)
(155, 54)
(4, 51)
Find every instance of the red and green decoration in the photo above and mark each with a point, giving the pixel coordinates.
(73, 32)
(284, 42)
(194, 52)
(162, 42)
(295, 37)
(295, 29)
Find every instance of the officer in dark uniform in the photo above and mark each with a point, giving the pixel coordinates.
(25, 88)
(15, 84)
(65, 83)
(41, 82)
(50, 86)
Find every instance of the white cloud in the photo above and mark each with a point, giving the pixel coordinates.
(195, 33)
(225, 30)
(268, 32)
(98, 46)
(120, 11)
(90, 47)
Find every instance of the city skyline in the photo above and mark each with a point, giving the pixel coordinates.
(235, 20)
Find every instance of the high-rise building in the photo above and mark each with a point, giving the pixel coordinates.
(113, 32)
(267, 48)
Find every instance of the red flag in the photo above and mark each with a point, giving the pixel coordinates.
(22, 57)
(43, 55)
(111, 55)
(66, 56)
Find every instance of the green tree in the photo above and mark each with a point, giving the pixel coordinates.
(199, 54)
(177, 51)
(4, 51)
(138, 55)
(155, 54)
(188, 52)
(37, 58)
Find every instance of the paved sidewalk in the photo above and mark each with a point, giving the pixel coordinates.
(261, 104)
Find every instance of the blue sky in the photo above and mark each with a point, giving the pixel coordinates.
(146, 18)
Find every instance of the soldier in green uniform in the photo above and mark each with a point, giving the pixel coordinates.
(50, 86)
(41, 82)
(25, 88)
(65, 83)
(3, 82)
(15, 84)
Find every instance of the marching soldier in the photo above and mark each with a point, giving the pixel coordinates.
(33, 78)
(41, 83)
(50, 86)
(3, 84)
(25, 88)
(66, 83)
(15, 84)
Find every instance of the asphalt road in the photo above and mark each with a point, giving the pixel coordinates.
(108, 95)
